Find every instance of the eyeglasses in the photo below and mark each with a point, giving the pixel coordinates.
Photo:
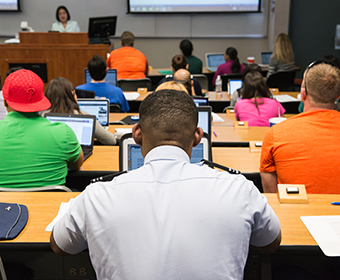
(314, 63)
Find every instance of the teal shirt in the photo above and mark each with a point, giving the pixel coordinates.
(195, 64)
(34, 152)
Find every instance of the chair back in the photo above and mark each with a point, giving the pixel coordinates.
(115, 108)
(226, 77)
(284, 81)
(38, 189)
(134, 84)
(2, 271)
(203, 80)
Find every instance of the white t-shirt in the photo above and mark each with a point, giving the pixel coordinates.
(168, 220)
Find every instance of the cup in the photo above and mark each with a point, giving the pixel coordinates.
(251, 59)
(273, 121)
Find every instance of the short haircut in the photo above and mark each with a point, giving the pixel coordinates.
(179, 62)
(127, 39)
(66, 10)
(12, 70)
(172, 85)
(169, 115)
(186, 47)
(323, 83)
(255, 87)
(60, 93)
(97, 67)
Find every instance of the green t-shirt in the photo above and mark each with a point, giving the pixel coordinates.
(195, 64)
(34, 152)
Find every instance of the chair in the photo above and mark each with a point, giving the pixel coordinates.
(203, 80)
(226, 77)
(115, 108)
(134, 84)
(38, 189)
(284, 81)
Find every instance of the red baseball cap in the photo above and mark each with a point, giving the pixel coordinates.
(24, 92)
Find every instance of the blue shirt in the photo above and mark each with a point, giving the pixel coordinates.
(114, 94)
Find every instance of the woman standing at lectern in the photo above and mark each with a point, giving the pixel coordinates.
(64, 24)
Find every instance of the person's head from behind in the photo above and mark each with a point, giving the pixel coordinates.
(255, 88)
(23, 91)
(12, 70)
(231, 54)
(321, 84)
(62, 14)
(127, 39)
(61, 94)
(186, 47)
(179, 62)
(172, 85)
(283, 49)
(97, 67)
(183, 76)
(251, 68)
(167, 117)
(332, 59)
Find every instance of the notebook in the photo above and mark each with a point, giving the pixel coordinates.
(83, 127)
(97, 107)
(266, 57)
(110, 78)
(130, 156)
(234, 84)
(213, 60)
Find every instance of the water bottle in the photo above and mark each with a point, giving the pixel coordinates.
(218, 86)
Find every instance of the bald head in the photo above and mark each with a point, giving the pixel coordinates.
(167, 117)
(183, 76)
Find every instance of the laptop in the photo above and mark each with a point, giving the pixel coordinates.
(97, 107)
(265, 56)
(204, 119)
(200, 101)
(234, 84)
(83, 127)
(130, 155)
(110, 78)
(213, 60)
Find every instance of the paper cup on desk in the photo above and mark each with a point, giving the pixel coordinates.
(251, 59)
(273, 121)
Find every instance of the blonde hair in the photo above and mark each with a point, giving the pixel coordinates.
(283, 48)
(323, 83)
(172, 85)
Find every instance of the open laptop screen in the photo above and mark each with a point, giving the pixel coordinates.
(234, 84)
(96, 107)
(110, 78)
(204, 119)
(214, 59)
(265, 56)
(82, 126)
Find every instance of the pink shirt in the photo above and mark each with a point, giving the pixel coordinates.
(245, 110)
(225, 68)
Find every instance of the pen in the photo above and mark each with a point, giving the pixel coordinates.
(335, 203)
(215, 133)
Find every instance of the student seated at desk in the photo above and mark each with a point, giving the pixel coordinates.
(256, 107)
(63, 98)
(98, 69)
(34, 152)
(168, 219)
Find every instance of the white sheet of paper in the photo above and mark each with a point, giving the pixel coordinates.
(285, 98)
(133, 95)
(326, 232)
(64, 206)
(216, 118)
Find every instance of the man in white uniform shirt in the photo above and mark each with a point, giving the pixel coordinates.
(168, 219)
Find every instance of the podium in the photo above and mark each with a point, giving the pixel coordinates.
(51, 54)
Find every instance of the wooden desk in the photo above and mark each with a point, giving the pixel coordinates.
(65, 54)
(43, 207)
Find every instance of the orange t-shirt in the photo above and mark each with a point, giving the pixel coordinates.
(129, 62)
(304, 149)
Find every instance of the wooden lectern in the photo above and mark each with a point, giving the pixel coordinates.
(56, 54)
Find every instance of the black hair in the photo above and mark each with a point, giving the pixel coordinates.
(12, 70)
(97, 67)
(179, 62)
(186, 47)
(66, 10)
(232, 53)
